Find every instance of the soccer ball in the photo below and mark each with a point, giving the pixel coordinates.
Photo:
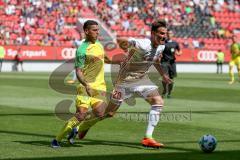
(207, 143)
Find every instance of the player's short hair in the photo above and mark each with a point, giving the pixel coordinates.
(157, 24)
(89, 23)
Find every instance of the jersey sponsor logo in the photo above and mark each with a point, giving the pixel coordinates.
(172, 50)
(205, 55)
(68, 53)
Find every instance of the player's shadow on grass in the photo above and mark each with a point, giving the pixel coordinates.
(47, 143)
(167, 112)
(138, 145)
(86, 142)
(26, 134)
(77, 144)
(110, 143)
(190, 155)
(91, 141)
(27, 114)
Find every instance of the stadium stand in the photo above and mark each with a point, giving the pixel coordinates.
(196, 23)
(39, 22)
(209, 22)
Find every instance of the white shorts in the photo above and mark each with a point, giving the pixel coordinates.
(126, 90)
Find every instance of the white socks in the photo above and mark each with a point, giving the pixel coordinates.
(153, 119)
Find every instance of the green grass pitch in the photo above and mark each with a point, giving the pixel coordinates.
(201, 104)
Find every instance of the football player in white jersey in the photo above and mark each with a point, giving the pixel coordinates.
(133, 79)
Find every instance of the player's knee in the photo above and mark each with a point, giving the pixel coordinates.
(158, 101)
(99, 114)
(80, 116)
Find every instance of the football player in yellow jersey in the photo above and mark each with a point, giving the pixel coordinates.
(235, 60)
(89, 66)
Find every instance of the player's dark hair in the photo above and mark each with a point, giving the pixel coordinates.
(157, 24)
(89, 23)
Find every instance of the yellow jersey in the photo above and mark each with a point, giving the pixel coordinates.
(90, 58)
(235, 50)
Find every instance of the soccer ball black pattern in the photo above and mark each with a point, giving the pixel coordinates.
(208, 143)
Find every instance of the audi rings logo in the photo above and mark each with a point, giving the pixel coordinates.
(207, 55)
(68, 53)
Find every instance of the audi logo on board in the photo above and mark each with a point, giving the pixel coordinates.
(68, 53)
(207, 55)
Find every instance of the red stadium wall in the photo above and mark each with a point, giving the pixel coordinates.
(201, 55)
(36, 53)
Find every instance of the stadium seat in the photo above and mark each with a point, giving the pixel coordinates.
(225, 19)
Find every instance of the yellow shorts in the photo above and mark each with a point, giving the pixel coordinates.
(235, 61)
(83, 100)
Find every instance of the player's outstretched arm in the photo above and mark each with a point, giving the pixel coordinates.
(110, 61)
(178, 52)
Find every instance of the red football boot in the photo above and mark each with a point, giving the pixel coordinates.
(150, 142)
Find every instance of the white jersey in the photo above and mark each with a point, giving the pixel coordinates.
(141, 56)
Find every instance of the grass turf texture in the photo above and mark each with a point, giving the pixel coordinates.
(201, 104)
